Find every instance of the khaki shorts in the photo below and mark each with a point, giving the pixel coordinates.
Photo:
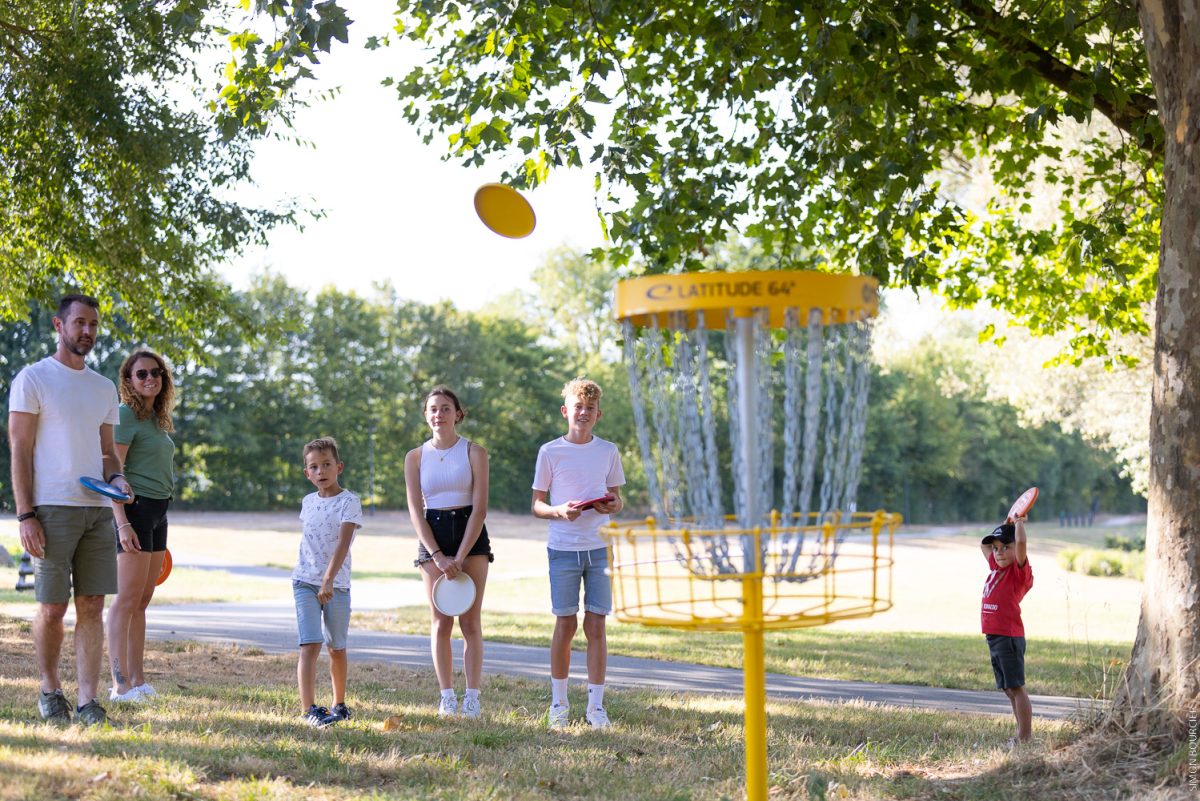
(80, 551)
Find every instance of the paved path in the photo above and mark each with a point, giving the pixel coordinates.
(272, 627)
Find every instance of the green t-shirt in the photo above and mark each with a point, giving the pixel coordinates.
(148, 464)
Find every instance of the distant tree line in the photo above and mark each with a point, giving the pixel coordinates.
(358, 368)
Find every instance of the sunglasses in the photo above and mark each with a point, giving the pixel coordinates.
(154, 372)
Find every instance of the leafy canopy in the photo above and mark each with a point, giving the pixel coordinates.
(121, 153)
(830, 127)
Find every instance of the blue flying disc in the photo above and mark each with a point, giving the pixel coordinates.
(103, 487)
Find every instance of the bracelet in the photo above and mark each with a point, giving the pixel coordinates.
(439, 550)
(115, 475)
(124, 525)
(23, 517)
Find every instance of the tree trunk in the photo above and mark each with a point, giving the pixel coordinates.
(1162, 683)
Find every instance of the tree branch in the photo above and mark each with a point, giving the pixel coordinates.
(1127, 117)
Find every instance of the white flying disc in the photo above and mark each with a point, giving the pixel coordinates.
(453, 597)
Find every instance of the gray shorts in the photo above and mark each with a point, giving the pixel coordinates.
(1008, 660)
(80, 553)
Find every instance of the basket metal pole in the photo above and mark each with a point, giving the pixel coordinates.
(755, 684)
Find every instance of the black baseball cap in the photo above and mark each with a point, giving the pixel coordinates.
(1005, 534)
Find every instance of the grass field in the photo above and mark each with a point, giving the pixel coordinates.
(1053, 667)
(219, 735)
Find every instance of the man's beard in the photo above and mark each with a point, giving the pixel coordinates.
(74, 346)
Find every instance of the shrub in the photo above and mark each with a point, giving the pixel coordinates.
(1106, 562)
(1117, 542)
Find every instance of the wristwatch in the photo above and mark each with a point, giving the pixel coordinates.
(22, 518)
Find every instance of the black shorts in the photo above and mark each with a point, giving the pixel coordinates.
(149, 519)
(449, 526)
(1008, 660)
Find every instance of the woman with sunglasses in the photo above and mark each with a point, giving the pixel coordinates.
(145, 447)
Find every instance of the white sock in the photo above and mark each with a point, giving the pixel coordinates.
(595, 696)
(558, 691)
(448, 693)
(472, 693)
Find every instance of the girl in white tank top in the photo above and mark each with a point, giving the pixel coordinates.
(447, 487)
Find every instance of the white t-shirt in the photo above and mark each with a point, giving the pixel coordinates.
(71, 405)
(323, 518)
(573, 472)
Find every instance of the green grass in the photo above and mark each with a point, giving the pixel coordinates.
(227, 729)
(1053, 667)
(221, 735)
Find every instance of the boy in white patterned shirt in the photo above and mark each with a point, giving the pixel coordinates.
(321, 580)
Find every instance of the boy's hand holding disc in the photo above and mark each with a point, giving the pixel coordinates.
(1022, 505)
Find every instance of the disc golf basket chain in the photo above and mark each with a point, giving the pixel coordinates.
(726, 369)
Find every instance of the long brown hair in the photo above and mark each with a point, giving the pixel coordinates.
(164, 401)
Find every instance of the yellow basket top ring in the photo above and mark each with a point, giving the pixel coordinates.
(840, 298)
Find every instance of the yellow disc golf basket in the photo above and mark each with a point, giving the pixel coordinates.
(762, 376)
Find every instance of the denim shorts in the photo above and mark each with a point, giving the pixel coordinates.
(79, 553)
(310, 613)
(567, 568)
(1008, 660)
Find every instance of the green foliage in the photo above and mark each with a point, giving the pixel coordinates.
(938, 450)
(1117, 542)
(829, 128)
(358, 369)
(1104, 562)
(113, 180)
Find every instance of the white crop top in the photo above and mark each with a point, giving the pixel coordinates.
(446, 476)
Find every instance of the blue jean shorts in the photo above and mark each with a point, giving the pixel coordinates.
(567, 568)
(310, 614)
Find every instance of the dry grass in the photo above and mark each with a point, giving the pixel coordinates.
(228, 730)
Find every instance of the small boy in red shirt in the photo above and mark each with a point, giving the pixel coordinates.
(1010, 578)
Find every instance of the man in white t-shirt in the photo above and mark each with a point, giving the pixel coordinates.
(60, 422)
(576, 486)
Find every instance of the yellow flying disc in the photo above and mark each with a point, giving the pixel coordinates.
(504, 210)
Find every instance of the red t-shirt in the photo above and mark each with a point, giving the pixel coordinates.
(1002, 594)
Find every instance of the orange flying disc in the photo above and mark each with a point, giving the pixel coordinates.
(504, 210)
(165, 570)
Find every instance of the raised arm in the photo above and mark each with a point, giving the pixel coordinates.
(1019, 541)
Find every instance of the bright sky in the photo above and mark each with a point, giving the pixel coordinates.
(394, 210)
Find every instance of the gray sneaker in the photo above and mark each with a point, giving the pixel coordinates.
(91, 714)
(54, 708)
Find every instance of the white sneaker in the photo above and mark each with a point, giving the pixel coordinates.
(129, 696)
(598, 718)
(448, 706)
(471, 708)
(559, 716)
(146, 690)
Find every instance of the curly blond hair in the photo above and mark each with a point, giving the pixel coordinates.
(164, 401)
(585, 389)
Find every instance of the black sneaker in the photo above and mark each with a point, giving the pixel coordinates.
(54, 708)
(340, 712)
(318, 717)
(91, 714)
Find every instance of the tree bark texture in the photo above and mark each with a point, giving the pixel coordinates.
(1162, 682)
